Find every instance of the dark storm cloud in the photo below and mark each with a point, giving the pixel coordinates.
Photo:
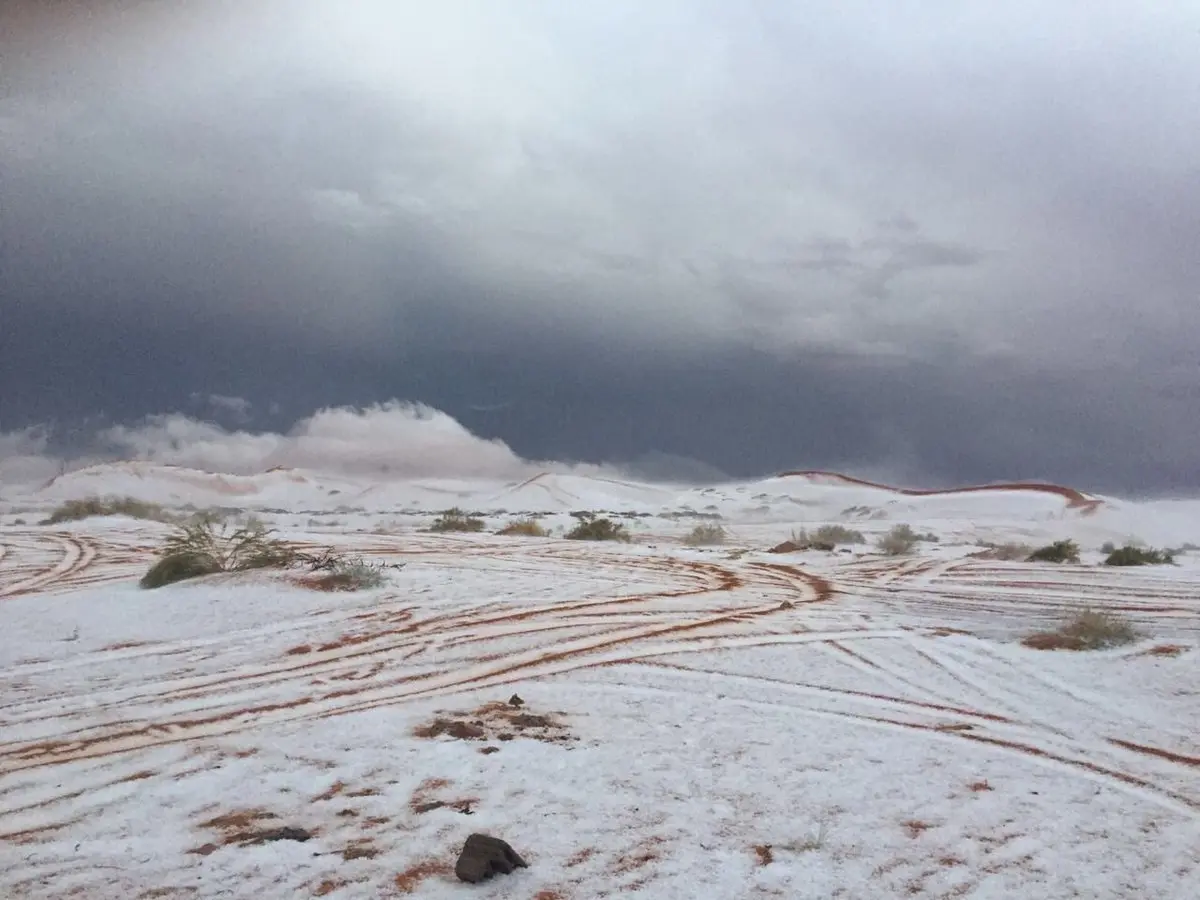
(951, 242)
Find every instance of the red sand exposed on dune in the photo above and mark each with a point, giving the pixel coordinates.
(1075, 499)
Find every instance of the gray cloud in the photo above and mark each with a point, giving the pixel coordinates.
(909, 201)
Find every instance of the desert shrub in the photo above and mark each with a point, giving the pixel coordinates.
(705, 535)
(1090, 630)
(1139, 556)
(900, 540)
(75, 510)
(349, 575)
(205, 547)
(456, 520)
(594, 528)
(1058, 552)
(527, 527)
(1107, 547)
(1010, 552)
(838, 534)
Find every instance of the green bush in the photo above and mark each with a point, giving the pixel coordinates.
(76, 510)
(205, 547)
(1058, 552)
(1139, 556)
(456, 520)
(838, 534)
(593, 528)
(900, 540)
(705, 535)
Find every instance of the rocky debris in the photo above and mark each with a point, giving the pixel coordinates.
(799, 547)
(462, 806)
(287, 833)
(496, 722)
(239, 828)
(456, 728)
(483, 856)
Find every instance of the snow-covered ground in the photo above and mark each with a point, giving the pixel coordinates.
(718, 723)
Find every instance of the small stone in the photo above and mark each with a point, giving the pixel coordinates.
(486, 750)
(483, 856)
(515, 700)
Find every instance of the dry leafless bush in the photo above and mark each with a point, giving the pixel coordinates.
(1090, 630)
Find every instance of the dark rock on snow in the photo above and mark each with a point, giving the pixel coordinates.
(484, 856)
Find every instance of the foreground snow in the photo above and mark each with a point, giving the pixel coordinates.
(718, 724)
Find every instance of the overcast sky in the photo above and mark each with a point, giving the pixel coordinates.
(948, 242)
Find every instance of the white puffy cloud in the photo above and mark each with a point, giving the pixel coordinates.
(395, 439)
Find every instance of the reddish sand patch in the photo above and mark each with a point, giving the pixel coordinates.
(1165, 650)
(1075, 499)
(410, 879)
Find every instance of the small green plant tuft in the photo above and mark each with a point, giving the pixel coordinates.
(76, 510)
(900, 540)
(527, 527)
(594, 528)
(1130, 555)
(205, 547)
(706, 535)
(1090, 630)
(456, 520)
(1058, 552)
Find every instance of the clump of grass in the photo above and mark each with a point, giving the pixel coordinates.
(527, 527)
(597, 528)
(205, 547)
(1130, 555)
(1058, 552)
(1090, 630)
(838, 534)
(706, 535)
(456, 520)
(900, 540)
(75, 510)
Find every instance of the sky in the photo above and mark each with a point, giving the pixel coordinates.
(939, 242)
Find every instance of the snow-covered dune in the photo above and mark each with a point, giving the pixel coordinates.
(721, 721)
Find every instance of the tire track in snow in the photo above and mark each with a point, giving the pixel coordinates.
(128, 735)
(75, 555)
(1112, 778)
